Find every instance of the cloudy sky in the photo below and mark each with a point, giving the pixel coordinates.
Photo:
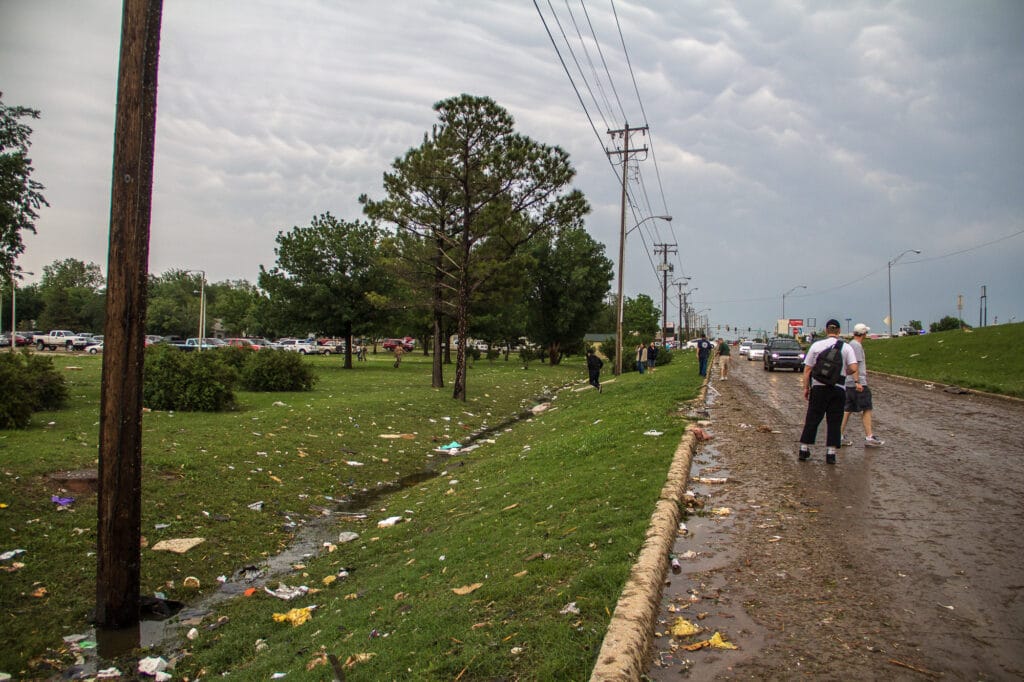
(794, 143)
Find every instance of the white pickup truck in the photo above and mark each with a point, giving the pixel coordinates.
(60, 338)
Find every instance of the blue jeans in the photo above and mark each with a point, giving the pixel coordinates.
(703, 365)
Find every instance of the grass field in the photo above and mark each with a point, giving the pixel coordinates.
(987, 359)
(545, 513)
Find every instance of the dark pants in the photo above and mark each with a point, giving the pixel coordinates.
(827, 402)
(595, 378)
(703, 360)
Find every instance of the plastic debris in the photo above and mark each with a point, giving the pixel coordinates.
(355, 659)
(466, 589)
(721, 511)
(684, 628)
(108, 674)
(570, 608)
(652, 432)
(256, 506)
(177, 545)
(296, 616)
(62, 501)
(389, 521)
(353, 463)
(689, 554)
(711, 479)
(11, 554)
(454, 445)
(151, 665)
(715, 642)
(286, 593)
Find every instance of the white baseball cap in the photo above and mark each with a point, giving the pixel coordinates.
(860, 329)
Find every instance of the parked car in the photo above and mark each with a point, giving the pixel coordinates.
(94, 348)
(260, 344)
(783, 352)
(756, 351)
(19, 339)
(406, 344)
(244, 344)
(302, 347)
(745, 347)
(59, 338)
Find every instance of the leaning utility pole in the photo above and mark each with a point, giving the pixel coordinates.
(622, 232)
(119, 509)
(664, 250)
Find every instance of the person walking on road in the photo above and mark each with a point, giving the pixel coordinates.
(858, 395)
(594, 365)
(824, 400)
(723, 360)
(641, 358)
(703, 354)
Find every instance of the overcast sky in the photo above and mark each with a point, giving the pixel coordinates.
(794, 143)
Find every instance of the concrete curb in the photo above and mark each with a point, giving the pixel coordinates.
(938, 384)
(623, 654)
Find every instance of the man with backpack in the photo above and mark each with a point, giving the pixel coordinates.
(827, 364)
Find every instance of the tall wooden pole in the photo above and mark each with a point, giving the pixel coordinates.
(119, 526)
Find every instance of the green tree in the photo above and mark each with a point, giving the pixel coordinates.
(173, 301)
(20, 195)
(73, 297)
(640, 319)
(604, 319)
(570, 280)
(235, 305)
(948, 323)
(916, 325)
(473, 193)
(329, 277)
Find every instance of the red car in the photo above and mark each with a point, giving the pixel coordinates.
(407, 344)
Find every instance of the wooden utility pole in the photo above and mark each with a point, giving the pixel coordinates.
(119, 526)
(622, 233)
(664, 250)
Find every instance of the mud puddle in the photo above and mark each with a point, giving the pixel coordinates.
(695, 589)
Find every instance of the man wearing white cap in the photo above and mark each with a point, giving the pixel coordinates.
(858, 395)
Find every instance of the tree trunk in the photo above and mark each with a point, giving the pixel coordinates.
(553, 353)
(119, 505)
(437, 371)
(459, 384)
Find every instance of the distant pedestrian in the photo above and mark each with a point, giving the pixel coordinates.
(594, 365)
(703, 354)
(824, 400)
(399, 351)
(858, 395)
(652, 356)
(723, 360)
(641, 358)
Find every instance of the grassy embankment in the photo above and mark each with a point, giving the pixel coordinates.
(986, 359)
(552, 511)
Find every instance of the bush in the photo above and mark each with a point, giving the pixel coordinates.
(526, 353)
(493, 353)
(276, 370)
(31, 384)
(948, 324)
(608, 349)
(234, 356)
(664, 357)
(16, 407)
(191, 382)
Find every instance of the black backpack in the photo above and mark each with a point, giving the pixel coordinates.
(829, 368)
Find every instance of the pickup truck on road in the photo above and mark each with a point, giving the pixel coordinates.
(60, 338)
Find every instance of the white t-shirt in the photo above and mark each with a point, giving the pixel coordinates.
(819, 347)
(862, 365)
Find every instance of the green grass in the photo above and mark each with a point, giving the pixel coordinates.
(575, 484)
(986, 359)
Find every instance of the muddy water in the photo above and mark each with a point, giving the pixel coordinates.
(901, 562)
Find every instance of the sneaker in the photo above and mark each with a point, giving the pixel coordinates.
(873, 442)
(805, 455)
(846, 442)
(830, 458)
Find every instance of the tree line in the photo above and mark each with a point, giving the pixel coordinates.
(478, 234)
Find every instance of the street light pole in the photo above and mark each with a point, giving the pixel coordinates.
(891, 263)
(798, 286)
(622, 263)
(202, 305)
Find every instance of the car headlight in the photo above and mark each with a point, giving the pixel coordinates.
(801, 356)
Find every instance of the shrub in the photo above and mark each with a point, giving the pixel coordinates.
(277, 370)
(16, 407)
(31, 384)
(526, 354)
(664, 357)
(493, 354)
(191, 382)
(234, 356)
(608, 349)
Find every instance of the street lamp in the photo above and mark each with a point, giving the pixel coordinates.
(622, 259)
(202, 304)
(14, 300)
(686, 310)
(891, 263)
(798, 286)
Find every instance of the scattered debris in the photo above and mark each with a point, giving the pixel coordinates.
(286, 593)
(684, 628)
(389, 521)
(570, 608)
(347, 536)
(191, 581)
(710, 480)
(715, 642)
(466, 589)
(177, 545)
(296, 616)
(652, 432)
(256, 506)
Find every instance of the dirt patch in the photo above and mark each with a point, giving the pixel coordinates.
(79, 481)
(901, 562)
